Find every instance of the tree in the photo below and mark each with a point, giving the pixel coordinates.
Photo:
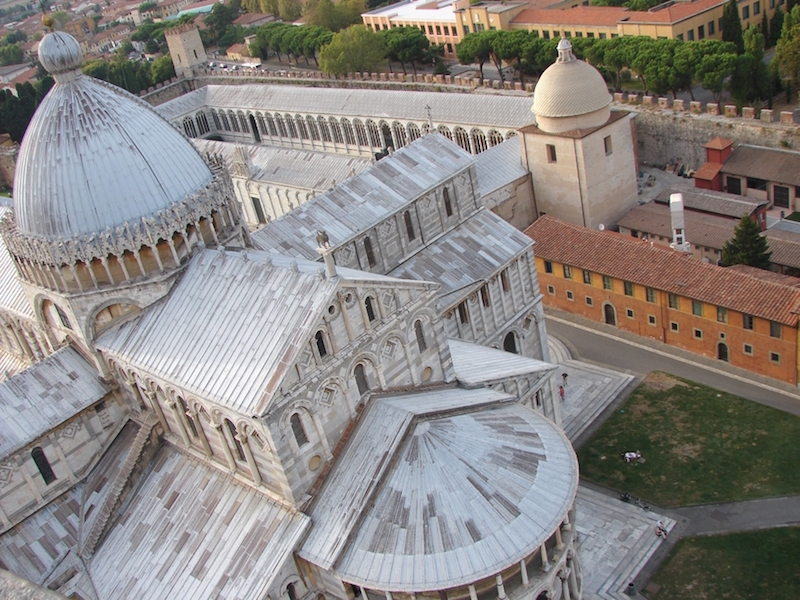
(717, 62)
(162, 69)
(474, 48)
(405, 45)
(11, 55)
(787, 52)
(356, 49)
(747, 246)
(732, 25)
(151, 47)
(333, 16)
(775, 26)
(290, 10)
(511, 47)
(750, 81)
(219, 19)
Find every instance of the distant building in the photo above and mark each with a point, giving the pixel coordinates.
(253, 19)
(185, 48)
(711, 218)
(744, 316)
(767, 174)
(238, 52)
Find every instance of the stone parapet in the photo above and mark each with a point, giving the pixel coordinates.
(787, 117)
(678, 105)
(748, 112)
(695, 107)
(712, 108)
(663, 102)
(767, 115)
(730, 110)
(648, 100)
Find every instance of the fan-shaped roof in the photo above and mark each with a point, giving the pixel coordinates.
(94, 156)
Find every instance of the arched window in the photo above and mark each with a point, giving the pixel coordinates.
(202, 123)
(262, 124)
(188, 128)
(445, 132)
(215, 118)
(361, 132)
(495, 137)
(290, 125)
(336, 131)
(409, 226)
(420, 336)
(462, 139)
(37, 454)
(386, 134)
(297, 429)
(237, 444)
(370, 310)
(244, 123)
(478, 141)
(234, 121)
(426, 128)
(510, 343)
(374, 134)
(448, 207)
(301, 127)
(413, 132)
(226, 125)
(271, 124)
(361, 379)
(511, 134)
(281, 125)
(369, 252)
(320, 337)
(399, 134)
(189, 418)
(312, 128)
(324, 132)
(253, 128)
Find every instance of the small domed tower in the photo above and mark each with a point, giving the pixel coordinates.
(580, 152)
(109, 201)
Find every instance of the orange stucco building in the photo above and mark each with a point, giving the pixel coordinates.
(740, 315)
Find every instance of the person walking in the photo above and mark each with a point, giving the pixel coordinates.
(564, 379)
(561, 392)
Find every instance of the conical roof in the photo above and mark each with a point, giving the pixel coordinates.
(96, 157)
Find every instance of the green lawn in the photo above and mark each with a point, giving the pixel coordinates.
(795, 216)
(763, 565)
(699, 446)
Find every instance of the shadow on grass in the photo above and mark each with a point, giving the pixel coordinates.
(739, 566)
(699, 446)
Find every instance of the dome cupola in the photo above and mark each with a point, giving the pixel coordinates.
(570, 94)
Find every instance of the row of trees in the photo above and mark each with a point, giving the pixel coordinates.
(133, 76)
(303, 41)
(17, 110)
(334, 16)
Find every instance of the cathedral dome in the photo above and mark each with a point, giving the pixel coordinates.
(95, 157)
(570, 89)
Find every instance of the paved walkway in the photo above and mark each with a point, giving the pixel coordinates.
(615, 540)
(747, 515)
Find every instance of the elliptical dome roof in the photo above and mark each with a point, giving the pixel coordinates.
(569, 87)
(95, 157)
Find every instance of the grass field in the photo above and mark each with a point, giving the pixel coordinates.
(699, 446)
(740, 566)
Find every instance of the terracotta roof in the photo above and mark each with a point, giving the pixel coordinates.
(702, 229)
(767, 275)
(710, 201)
(718, 143)
(674, 13)
(236, 49)
(770, 164)
(631, 260)
(785, 246)
(708, 171)
(248, 18)
(580, 15)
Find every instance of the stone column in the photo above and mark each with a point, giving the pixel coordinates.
(523, 569)
(573, 580)
(545, 562)
(176, 410)
(248, 455)
(201, 433)
(473, 595)
(157, 408)
(501, 590)
(559, 541)
(564, 586)
(137, 394)
(225, 448)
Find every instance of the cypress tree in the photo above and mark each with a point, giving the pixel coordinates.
(747, 246)
(732, 26)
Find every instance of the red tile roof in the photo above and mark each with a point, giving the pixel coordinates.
(673, 13)
(718, 143)
(632, 260)
(580, 15)
(707, 171)
(767, 275)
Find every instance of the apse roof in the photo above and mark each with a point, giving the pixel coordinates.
(439, 489)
